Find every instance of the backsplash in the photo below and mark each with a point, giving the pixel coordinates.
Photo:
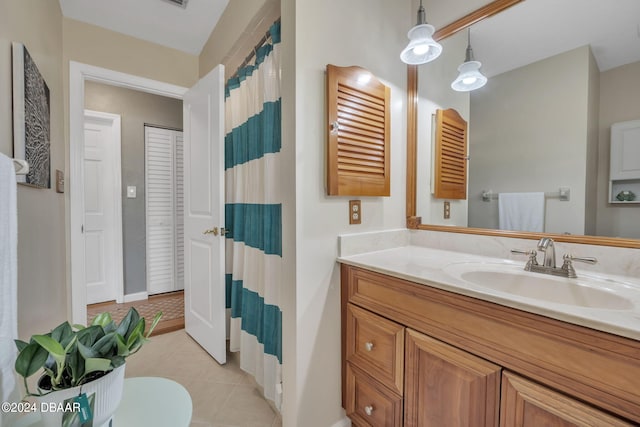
(611, 260)
(353, 244)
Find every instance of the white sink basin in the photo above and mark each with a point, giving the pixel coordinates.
(587, 292)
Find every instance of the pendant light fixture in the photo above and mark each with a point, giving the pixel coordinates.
(421, 48)
(470, 77)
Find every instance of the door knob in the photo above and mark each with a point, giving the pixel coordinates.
(216, 230)
(213, 231)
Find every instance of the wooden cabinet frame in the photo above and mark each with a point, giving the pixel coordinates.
(358, 133)
(596, 367)
(450, 162)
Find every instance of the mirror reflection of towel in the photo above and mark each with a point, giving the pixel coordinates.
(521, 211)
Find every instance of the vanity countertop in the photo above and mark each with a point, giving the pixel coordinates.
(430, 267)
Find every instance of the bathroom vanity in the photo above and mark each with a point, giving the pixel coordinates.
(435, 333)
(420, 348)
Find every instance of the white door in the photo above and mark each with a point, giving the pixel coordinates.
(204, 213)
(164, 208)
(102, 217)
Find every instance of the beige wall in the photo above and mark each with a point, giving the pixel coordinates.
(371, 34)
(135, 109)
(532, 137)
(39, 24)
(289, 257)
(97, 46)
(42, 297)
(619, 102)
(593, 113)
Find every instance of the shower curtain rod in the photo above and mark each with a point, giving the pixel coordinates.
(262, 41)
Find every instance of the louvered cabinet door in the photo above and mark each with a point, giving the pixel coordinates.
(358, 130)
(450, 168)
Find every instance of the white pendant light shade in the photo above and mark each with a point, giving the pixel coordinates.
(470, 77)
(421, 48)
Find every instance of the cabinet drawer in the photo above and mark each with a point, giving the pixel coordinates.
(376, 345)
(370, 403)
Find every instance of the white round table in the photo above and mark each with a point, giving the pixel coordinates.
(153, 402)
(146, 402)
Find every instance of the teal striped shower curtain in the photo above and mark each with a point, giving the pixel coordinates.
(254, 216)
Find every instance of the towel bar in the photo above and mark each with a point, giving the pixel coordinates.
(21, 166)
(563, 193)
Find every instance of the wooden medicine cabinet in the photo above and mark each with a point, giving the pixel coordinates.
(358, 123)
(450, 161)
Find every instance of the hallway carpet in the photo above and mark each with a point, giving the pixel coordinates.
(171, 304)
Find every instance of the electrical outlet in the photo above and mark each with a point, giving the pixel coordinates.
(447, 210)
(355, 212)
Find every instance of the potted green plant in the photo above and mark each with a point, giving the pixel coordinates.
(82, 367)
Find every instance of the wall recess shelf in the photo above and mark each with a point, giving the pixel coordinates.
(624, 172)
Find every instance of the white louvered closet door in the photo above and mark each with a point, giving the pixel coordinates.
(179, 209)
(164, 210)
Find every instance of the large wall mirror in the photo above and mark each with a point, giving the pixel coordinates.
(559, 75)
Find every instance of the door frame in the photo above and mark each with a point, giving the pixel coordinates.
(114, 122)
(78, 74)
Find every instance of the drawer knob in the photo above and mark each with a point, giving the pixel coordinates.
(368, 410)
(368, 346)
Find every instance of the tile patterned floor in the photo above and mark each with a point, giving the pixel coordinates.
(222, 395)
(170, 304)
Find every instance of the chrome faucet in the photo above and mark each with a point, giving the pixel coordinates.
(546, 245)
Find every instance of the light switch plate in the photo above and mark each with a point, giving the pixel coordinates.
(355, 212)
(59, 181)
(131, 191)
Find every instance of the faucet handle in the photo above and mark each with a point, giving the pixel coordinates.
(523, 252)
(587, 260)
(568, 266)
(532, 254)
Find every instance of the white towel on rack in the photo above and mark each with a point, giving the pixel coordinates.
(8, 279)
(521, 211)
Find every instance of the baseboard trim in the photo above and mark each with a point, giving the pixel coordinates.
(138, 296)
(345, 422)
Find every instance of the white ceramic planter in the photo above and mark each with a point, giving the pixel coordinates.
(108, 393)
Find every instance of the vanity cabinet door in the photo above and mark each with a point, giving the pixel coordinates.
(528, 404)
(446, 386)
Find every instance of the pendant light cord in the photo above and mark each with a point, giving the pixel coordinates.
(422, 16)
(469, 55)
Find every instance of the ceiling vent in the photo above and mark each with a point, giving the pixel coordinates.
(181, 3)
